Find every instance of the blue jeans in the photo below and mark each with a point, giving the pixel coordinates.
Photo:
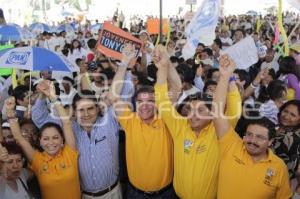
(132, 193)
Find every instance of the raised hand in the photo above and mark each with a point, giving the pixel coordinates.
(3, 153)
(128, 54)
(161, 56)
(46, 87)
(199, 71)
(227, 66)
(10, 105)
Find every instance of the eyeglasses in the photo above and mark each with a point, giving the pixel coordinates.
(257, 137)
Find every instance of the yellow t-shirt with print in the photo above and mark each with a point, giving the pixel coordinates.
(58, 176)
(196, 159)
(240, 177)
(149, 152)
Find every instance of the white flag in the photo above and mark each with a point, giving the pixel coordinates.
(202, 27)
(294, 3)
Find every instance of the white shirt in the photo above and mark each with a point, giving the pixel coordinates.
(7, 193)
(186, 93)
(270, 111)
(67, 99)
(50, 44)
(77, 54)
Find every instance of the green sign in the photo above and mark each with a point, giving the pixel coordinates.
(6, 71)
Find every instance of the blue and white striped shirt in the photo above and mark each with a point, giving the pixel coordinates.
(98, 154)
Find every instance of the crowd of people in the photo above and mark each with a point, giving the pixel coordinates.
(157, 126)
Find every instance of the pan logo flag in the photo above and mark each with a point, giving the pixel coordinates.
(19, 58)
(112, 40)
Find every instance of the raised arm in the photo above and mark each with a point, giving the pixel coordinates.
(168, 113)
(3, 170)
(15, 129)
(84, 78)
(221, 123)
(256, 82)
(40, 112)
(174, 83)
(49, 91)
(119, 81)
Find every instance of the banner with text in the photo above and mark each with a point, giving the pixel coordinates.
(112, 40)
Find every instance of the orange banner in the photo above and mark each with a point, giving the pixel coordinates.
(112, 39)
(153, 26)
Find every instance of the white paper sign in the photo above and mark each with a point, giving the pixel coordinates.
(244, 53)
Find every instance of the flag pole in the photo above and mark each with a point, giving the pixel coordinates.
(160, 22)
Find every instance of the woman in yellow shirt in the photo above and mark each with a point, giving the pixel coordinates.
(56, 167)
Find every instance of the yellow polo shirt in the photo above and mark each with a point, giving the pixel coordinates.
(149, 152)
(240, 177)
(58, 176)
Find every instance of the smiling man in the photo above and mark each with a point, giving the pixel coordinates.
(247, 162)
(196, 151)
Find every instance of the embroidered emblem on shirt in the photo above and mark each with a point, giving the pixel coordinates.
(100, 140)
(62, 165)
(44, 168)
(268, 177)
(188, 145)
(201, 149)
(238, 160)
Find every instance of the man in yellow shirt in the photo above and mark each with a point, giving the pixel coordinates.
(196, 151)
(149, 146)
(248, 168)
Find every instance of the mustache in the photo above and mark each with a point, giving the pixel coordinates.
(253, 144)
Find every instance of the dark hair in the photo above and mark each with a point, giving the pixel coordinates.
(218, 42)
(210, 72)
(285, 105)
(288, 65)
(241, 30)
(244, 76)
(200, 97)
(72, 46)
(273, 91)
(68, 79)
(272, 73)
(208, 83)
(92, 43)
(208, 51)
(84, 94)
(52, 125)
(78, 60)
(186, 73)
(20, 92)
(12, 148)
(144, 89)
(264, 122)
(109, 73)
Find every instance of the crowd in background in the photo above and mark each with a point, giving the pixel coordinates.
(84, 135)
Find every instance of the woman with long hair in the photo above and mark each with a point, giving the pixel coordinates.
(76, 51)
(287, 141)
